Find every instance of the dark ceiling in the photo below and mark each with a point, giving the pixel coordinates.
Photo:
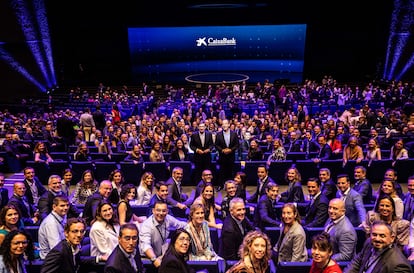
(344, 38)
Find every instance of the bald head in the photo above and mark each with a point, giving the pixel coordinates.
(336, 209)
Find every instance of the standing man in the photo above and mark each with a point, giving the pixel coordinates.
(380, 254)
(317, 209)
(66, 257)
(124, 258)
(51, 230)
(354, 206)
(235, 227)
(201, 143)
(65, 129)
(227, 143)
(99, 118)
(86, 122)
(342, 233)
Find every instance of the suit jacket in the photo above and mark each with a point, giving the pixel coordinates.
(293, 194)
(40, 188)
(89, 211)
(118, 263)
(265, 213)
(392, 260)
(232, 237)
(174, 195)
(45, 206)
(364, 188)
(4, 197)
(26, 213)
(260, 192)
(355, 210)
(221, 144)
(60, 260)
(325, 152)
(329, 189)
(195, 143)
(343, 240)
(292, 246)
(317, 213)
(173, 264)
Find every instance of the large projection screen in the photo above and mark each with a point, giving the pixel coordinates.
(210, 54)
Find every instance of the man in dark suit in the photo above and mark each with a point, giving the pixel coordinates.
(227, 143)
(104, 190)
(28, 212)
(317, 209)
(328, 186)
(175, 191)
(263, 180)
(4, 193)
(294, 143)
(99, 118)
(235, 227)
(325, 151)
(34, 188)
(66, 257)
(65, 129)
(380, 254)
(124, 258)
(201, 143)
(362, 185)
(45, 203)
(265, 214)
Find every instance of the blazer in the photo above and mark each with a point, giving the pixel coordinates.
(294, 193)
(60, 260)
(392, 260)
(173, 264)
(40, 188)
(343, 240)
(103, 238)
(232, 237)
(355, 210)
(325, 152)
(45, 206)
(259, 193)
(292, 246)
(89, 211)
(117, 262)
(317, 213)
(174, 195)
(195, 143)
(364, 188)
(26, 214)
(329, 189)
(265, 215)
(221, 144)
(4, 197)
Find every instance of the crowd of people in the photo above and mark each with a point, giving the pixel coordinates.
(99, 215)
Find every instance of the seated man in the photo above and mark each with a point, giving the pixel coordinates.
(363, 185)
(154, 233)
(29, 213)
(355, 210)
(104, 190)
(45, 204)
(265, 214)
(51, 230)
(317, 209)
(342, 233)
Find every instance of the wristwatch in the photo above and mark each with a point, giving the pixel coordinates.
(153, 259)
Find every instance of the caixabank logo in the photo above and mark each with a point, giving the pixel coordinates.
(216, 42)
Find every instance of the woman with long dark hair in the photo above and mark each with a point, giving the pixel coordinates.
(15, 247)
(176, 257)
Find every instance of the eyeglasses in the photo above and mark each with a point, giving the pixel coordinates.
(184, 239)
(20, 243)
(76, 231)
(128, 238)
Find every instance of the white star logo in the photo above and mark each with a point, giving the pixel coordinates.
(201, 41)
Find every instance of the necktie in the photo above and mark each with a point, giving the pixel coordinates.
(133, 263)
(311, 200)
(329, 226)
